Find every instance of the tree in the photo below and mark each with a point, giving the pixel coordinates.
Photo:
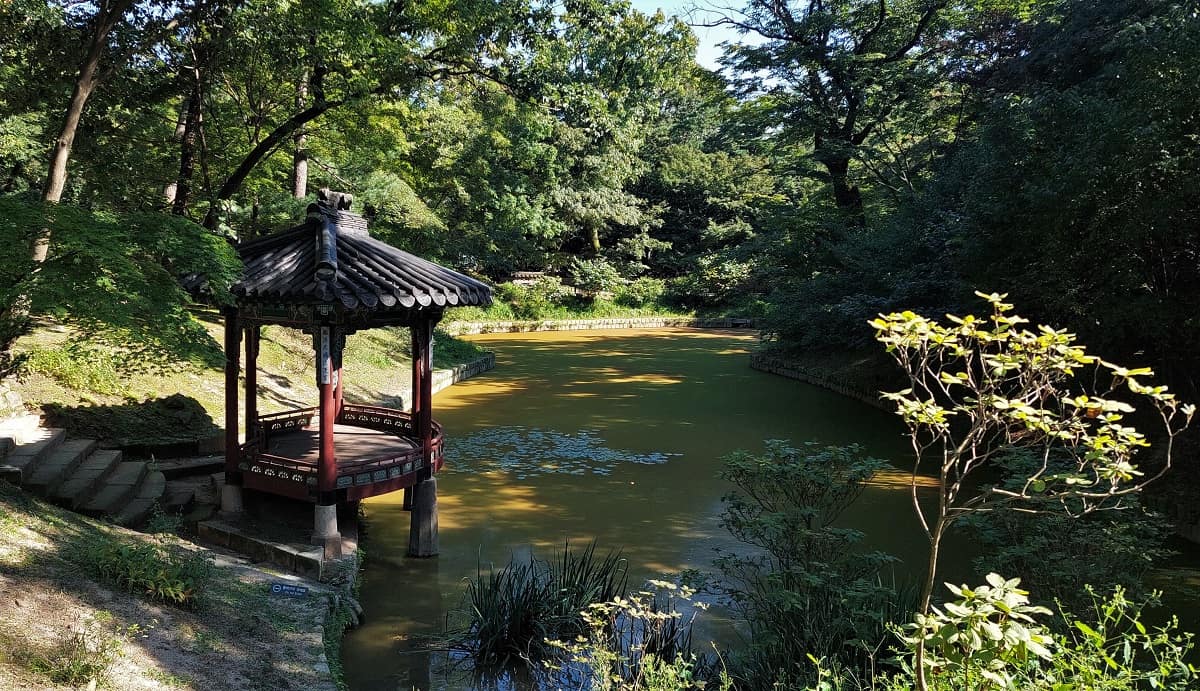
(358, 53)
(981, 387)
(838, 72)
(146, 24)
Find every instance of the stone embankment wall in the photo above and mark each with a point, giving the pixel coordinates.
(471, 328)
(793, 370)
(443, 378)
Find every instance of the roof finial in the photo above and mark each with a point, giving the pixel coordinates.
(338, 200)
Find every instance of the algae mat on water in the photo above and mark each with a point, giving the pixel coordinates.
(616, 436)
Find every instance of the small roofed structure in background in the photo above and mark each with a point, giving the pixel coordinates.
(330, 278)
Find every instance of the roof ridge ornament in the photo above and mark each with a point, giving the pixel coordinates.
(338, 201)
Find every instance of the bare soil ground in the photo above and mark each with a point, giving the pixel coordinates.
(239, 637)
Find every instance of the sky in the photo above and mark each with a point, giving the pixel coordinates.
(708, 51)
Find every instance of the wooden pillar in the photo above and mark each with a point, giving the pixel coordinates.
(325, 522)
(418, 361)
(252, 338)
(414, 403)
(423, 391)
(338, 349)
(231, 494)
(423, 521)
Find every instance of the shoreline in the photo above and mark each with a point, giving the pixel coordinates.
(466, 328)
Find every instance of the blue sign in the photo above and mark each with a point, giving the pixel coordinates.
(288, 589)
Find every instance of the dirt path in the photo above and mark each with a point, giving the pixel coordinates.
(239, 637)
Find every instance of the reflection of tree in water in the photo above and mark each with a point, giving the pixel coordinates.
(526, 451)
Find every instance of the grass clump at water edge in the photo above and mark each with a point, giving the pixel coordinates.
(510, 615)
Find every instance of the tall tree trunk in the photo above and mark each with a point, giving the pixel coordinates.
(300, 157)
(180, 130)
(187, 149)
(847, 196)
(107, 16)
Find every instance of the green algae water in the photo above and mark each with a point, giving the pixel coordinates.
(615, 436)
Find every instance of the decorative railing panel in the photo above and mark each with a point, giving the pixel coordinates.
(287, 421)
(356, 478)
(383, 419)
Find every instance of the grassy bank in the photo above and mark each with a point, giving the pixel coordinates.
(129, 396)
(68, 617)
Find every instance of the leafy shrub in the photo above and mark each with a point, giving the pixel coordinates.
(806, 589)
(513, 613)
(989, 638)
(715, 282)
(533, 301)
(594, 276)
(77, 365)
(640, 292)
(174, 576)
(171, 419)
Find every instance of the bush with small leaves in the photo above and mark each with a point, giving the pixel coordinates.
(980, 388)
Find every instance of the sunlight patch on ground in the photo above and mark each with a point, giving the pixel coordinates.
(528, 451)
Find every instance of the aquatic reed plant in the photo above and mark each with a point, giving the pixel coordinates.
(510, 615)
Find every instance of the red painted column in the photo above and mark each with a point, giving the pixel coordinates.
(423, 521)
(326, 457)
(252, 338)
(339, 347)
(418, 360)
(233, 475)
(426, 427)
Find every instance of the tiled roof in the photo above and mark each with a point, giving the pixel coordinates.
(332, 259)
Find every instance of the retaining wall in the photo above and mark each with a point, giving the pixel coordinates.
(793, 370)
(471, 328)
(443, 378)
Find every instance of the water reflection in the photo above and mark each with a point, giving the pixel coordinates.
(525, 452)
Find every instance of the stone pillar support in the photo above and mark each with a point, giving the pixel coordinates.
(423, 525)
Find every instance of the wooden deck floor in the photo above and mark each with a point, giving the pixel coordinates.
(350, 444)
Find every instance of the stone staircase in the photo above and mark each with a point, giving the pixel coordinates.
(76, 473)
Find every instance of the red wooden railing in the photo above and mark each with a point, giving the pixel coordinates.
(356, 478)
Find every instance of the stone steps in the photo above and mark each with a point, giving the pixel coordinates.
(147, 495)
(77, 474)
(57, 465)
(21, 461)
(119, 489)
(88, 478)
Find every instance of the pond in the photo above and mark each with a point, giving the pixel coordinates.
(615, 436)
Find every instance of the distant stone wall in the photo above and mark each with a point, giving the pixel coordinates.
(792, 370)
(470, 328)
